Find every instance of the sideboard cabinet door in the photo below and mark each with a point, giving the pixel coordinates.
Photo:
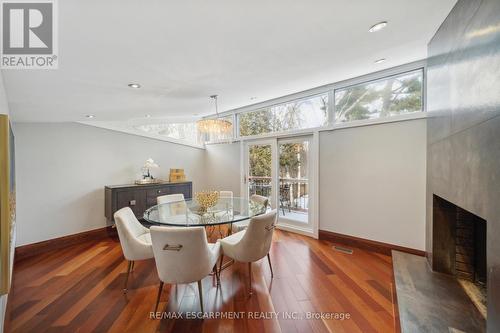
(134, 199)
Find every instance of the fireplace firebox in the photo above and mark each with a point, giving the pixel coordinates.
(459, 248)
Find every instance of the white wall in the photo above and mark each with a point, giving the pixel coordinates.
(222, 164)
(62, 169)
(372, 182)
(4, 109)
(372, 178)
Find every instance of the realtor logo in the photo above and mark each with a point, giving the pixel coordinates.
(29, 35)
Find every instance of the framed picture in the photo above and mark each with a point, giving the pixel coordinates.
(7, 202)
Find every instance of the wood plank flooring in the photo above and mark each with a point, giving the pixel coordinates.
(79, 289)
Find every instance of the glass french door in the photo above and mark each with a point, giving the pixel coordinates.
(294, 175)
(259, 178)
(281, 170)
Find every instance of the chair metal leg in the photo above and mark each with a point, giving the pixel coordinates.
(220, 263)
(250, 278)
(200, 291)
(126, 277)
(158, 297)
(270, 266)
(216, 273)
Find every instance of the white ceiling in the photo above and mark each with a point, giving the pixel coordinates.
(183, 51)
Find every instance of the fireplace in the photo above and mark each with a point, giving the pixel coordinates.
(459, 248)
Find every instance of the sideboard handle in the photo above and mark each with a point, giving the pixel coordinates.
(132, 202)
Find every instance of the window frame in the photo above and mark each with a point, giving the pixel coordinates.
(422, 109)
(269, 107)
(330, 90)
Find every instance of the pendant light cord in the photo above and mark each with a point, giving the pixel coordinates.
(214, 97)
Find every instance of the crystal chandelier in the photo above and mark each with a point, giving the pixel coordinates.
(215, 126)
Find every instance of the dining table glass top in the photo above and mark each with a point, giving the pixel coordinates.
(189, 213)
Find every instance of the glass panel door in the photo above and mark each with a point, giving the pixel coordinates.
(259, 178)
(294, 179)
(282, 170)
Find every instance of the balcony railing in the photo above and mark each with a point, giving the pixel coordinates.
(293, 192)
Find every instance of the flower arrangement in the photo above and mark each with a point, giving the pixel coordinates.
(207, 199)
(146, 169)
(147, 176)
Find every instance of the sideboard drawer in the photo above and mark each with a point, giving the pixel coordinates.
(154, 193)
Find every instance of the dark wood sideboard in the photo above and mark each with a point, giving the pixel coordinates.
(140, 197)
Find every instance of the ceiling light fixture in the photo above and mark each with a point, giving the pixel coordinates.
(148, 116)
(214, 126)
(90, 116)
(134, 85)
(377, 27)
(379, 61)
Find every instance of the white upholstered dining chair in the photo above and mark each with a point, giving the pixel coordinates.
(168, 198)
(226, 199)
(226, 194)
(175, 210)
(183, 255)
(252, 244)
(135, 239)
(259, 199)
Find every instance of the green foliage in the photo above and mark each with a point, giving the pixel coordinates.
(291, 157)
(257, 122)
(260, 161)
(284, 117)
(394, 95)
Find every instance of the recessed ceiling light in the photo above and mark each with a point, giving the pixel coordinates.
(253, 98)
(148, 116)
(89, 116)
(379, 61)
(134, 85)
(377, 27)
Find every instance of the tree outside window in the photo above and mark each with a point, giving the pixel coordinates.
(306, 113)
(382, 98)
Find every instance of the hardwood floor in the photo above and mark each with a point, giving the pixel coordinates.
(79, 289)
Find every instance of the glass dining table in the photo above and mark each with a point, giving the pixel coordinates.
(189, 213)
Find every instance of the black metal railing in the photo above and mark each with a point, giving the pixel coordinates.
(293, 192)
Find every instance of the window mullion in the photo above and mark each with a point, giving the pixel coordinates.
(331, 107)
